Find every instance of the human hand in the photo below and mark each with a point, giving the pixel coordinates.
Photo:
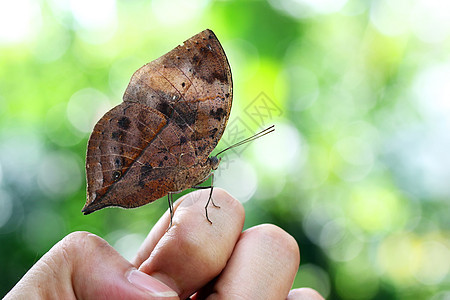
(217, 261)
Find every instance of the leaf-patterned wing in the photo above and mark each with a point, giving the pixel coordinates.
(113, 161)
(192, 86)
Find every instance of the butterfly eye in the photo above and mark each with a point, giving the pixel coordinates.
(117, 175)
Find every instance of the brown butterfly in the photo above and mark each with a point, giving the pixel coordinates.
(158, 140)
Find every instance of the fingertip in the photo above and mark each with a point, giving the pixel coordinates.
(199, 195)
(277, 236)
(190, 209)
(261, 252)
(223, 196)
(192, 252)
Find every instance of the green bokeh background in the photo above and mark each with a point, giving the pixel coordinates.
(358, 170)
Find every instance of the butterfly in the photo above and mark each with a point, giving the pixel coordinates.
(158, 140)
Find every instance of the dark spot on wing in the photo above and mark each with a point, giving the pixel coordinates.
(146, 169)
(212, 132)
(118, 163)
(218, 114)
(147, 174)
(204, 71)
(124, 123)
(219, 76)
(184, 116)
(201, 148)
(164, 108)
(118, 135)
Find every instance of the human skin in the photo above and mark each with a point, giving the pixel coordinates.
(192, 258)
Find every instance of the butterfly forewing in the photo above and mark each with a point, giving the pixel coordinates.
(191, 85)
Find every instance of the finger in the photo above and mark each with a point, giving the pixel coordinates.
(304, 294)
(153, 237)
(84, 266)
(263, 266)
(100, 272)
(162, 225)
(193, 251)
(156, 233)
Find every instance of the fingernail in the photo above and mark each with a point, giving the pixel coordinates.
(150, 284)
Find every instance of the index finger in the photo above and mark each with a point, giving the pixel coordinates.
(193, 251)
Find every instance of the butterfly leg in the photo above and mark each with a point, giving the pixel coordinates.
(211, 192)
(210, 198)
(170, 199)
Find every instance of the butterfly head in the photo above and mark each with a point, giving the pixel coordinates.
(214, 162)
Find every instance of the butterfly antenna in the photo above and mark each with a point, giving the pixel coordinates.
(249, 139)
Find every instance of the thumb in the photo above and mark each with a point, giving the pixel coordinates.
(85, 266)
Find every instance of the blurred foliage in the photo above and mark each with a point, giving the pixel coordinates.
(358, 170)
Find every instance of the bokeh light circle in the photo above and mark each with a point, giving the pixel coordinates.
(128, 244)
(20, 21)
(280, 151)
(86, 107)
(238, 177)
(59, 174)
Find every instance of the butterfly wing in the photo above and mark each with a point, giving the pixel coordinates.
(174, 112)
(116, 167)
(192, 86)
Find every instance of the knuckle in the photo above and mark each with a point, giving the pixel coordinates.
(79, 242)
(76, 237)
(68, 249)
(73, 240)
